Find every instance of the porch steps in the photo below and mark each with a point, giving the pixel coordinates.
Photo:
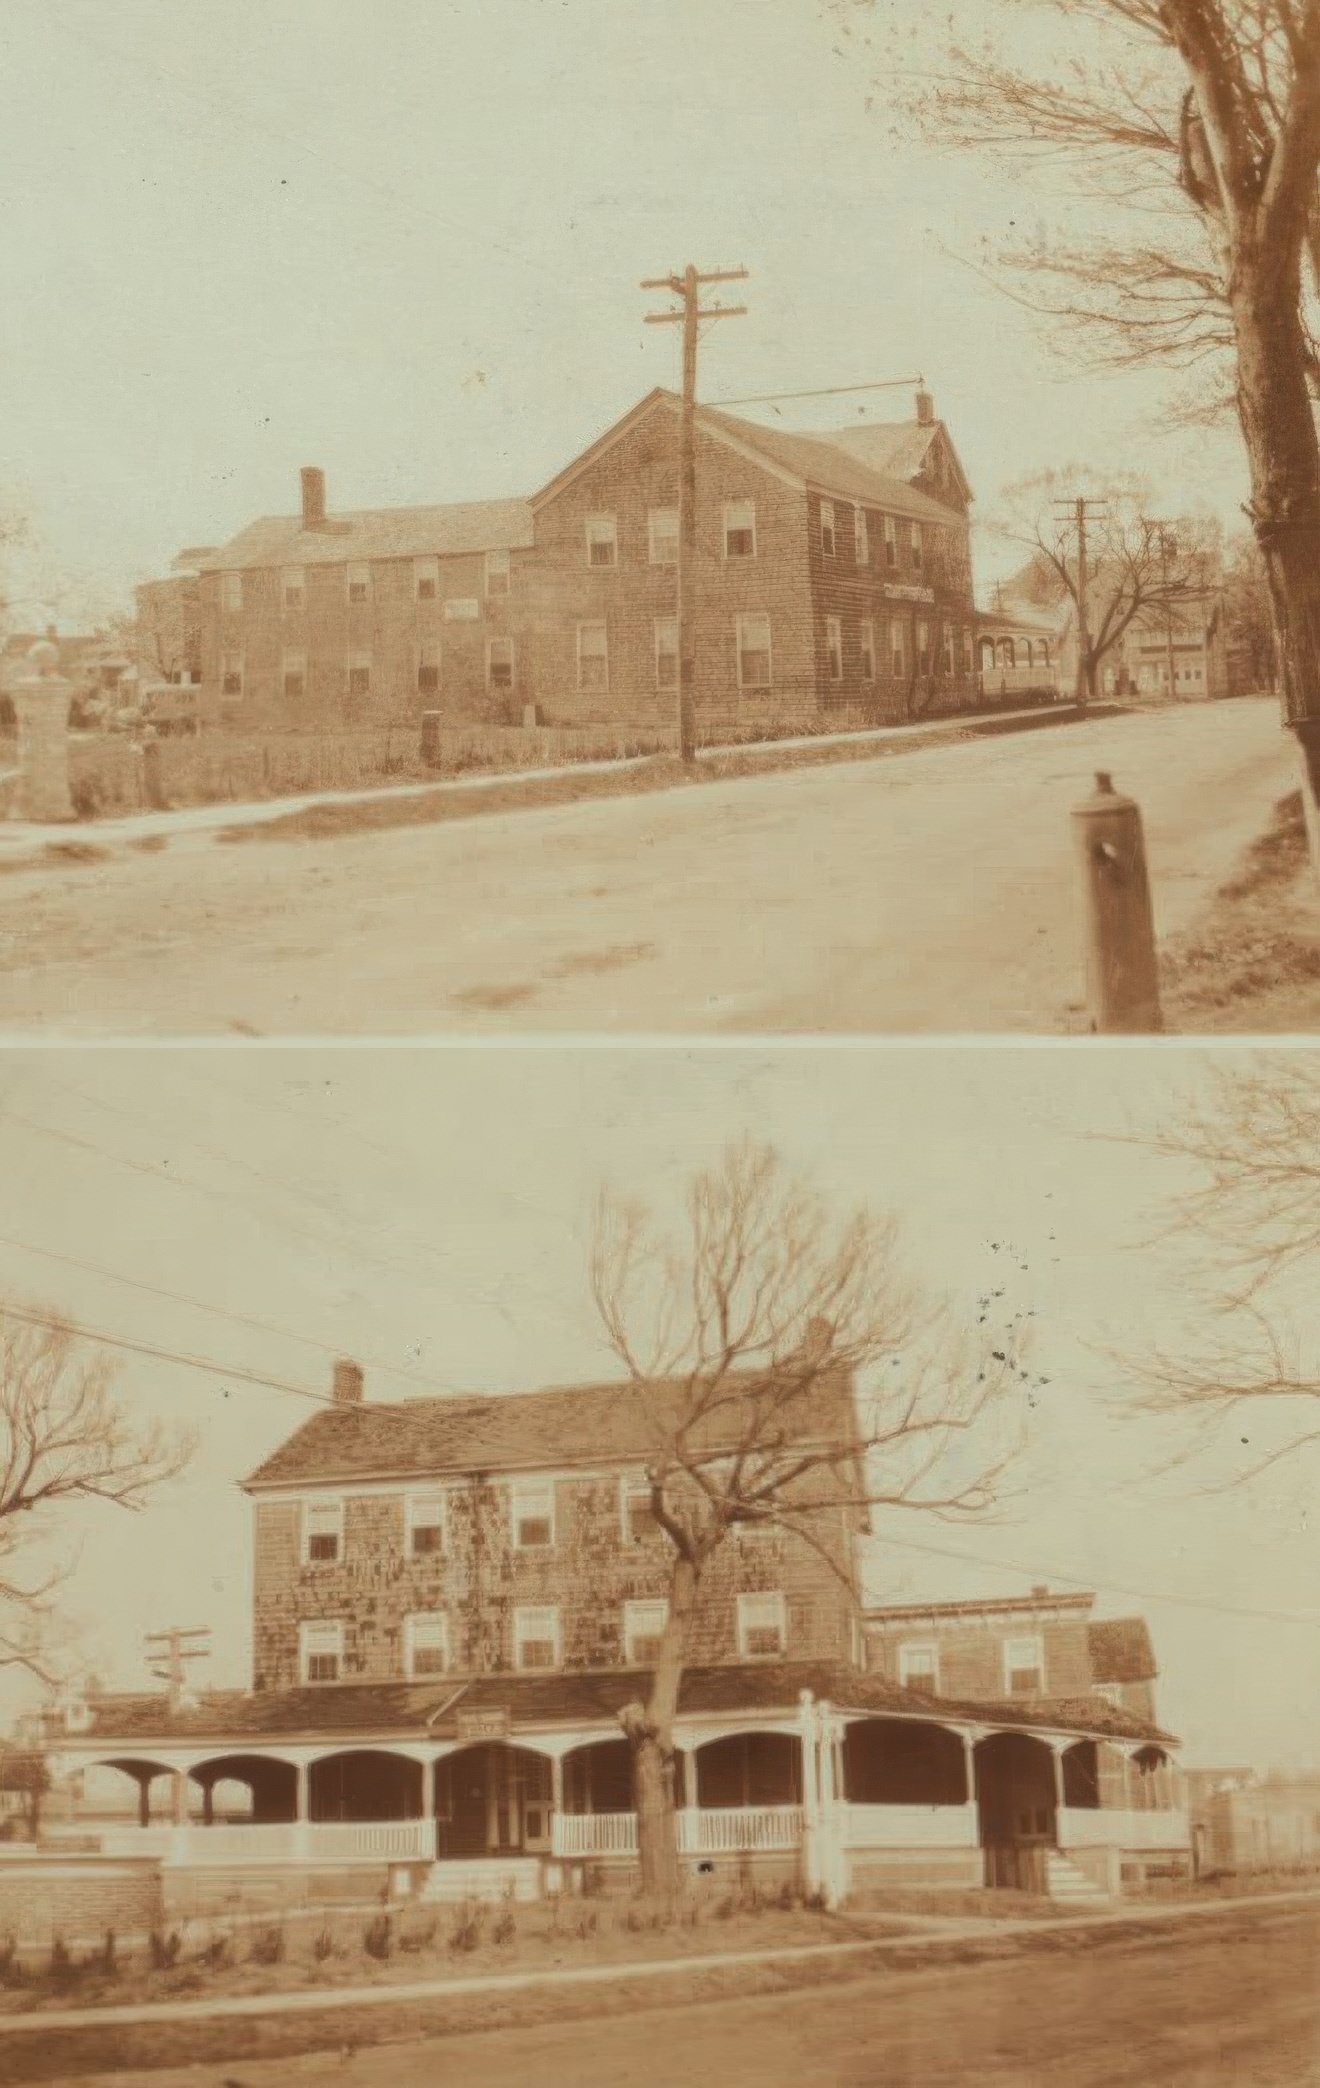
(1067, 1881)
(483, 1878)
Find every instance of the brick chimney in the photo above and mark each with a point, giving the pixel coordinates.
(925, 410)
(1039, 1591)
(348, 1382)
(313, 497)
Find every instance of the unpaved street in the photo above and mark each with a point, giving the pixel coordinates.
(1173, 2010)
(932, 891)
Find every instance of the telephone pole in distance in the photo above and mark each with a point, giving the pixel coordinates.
(1076, 511)
(688, 287)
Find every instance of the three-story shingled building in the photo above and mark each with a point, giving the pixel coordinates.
(455, 1598)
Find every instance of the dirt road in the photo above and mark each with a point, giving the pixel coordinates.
(932, 891)
(1175, 2010)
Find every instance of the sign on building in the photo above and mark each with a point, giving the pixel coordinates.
(462, 611)
(482, 1725)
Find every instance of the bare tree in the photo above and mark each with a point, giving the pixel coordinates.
(1194, 125)
(64, 1438)
(1138, 568)
(743, 1334)
(1248, 1236)
(1248, 619)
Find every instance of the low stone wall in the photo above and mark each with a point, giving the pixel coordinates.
(45, 1893)
(191, 1894)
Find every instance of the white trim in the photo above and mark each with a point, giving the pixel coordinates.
(657, 1611)
(411, 1520)
(737, 507)
(754, 616)
(429, 1619)
(539, 1488)
(357, 567)
(1036, 1640)
(766, 1597)
(335, 1502)
(593, 623)
(932, 1672)
(426, 567)
(331, 1632)
(605, 523)
(537, 1609)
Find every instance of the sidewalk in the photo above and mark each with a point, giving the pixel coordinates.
(26, 841)
(987, 1932)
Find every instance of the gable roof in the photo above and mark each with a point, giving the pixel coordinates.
(805, 460)
(566, 1427)
(898, 449)
(405, 532)
(1121, 1650)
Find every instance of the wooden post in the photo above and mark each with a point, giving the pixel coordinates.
(1122, 980)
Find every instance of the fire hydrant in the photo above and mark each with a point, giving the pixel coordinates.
(1122, 980)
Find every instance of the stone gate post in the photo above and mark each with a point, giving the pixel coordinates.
(40, 698)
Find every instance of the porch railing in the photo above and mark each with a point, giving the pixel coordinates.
(738, 1830)
(909, 1826)
(1113, 1827)
(594, 1834)
(292, 1841)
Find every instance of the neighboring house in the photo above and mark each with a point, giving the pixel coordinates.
(169, 621)
(1191, 638)
(833, 576)
(454, 1599)
(1242, 1823)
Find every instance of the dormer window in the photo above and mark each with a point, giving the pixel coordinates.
(321, 1651)
(533, 1514)
(323, 1532)
(762, 1626)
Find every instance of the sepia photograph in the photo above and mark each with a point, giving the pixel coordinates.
(660, 1043)
(694, 1564)
(788, 517)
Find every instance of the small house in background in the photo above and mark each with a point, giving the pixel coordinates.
(1244, 1823)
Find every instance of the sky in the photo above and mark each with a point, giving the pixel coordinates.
(427, 1211)
(404, 241)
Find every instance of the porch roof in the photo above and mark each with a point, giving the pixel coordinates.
(429, 1710)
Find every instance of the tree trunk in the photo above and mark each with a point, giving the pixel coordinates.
(650, 1731)
(1278, 427)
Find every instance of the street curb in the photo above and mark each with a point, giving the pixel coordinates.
(138, 830)
(308, 2000)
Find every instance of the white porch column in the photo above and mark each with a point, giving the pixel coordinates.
(831, 1853)
(685, 1815)
(808, 1741)
(302, 1832)
(1057, 1750)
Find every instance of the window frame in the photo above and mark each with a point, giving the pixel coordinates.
(426, 578)
(497, 571)
(868, 648)
(749, 1596)
(759, 616)
(537, 1609)
(413, 1522)
(829, 530)
(293, 581)
(326, 1504)
(410, 1624)
(360, 663)
(592, 623)
(517, 1514)
(630, 1489)
(502, 639)
(231, 592)
(594, 523)
(834, 650)
(898, 651)
(358, 566)
(428, 667)
(288, 673)
(861, 535)
(731, 529)
(916, 547)
(1036, 1640)
(653, 535)
(327, 1628)
(669, 623)
(891, 544)
(924, 1647)
(630, 1611)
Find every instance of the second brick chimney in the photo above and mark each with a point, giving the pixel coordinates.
(348, 1382)
(313, 497)
(925, 410)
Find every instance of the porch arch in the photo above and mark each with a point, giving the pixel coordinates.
(748, 1768)
(364, 1784)
(1017, 1799)
(494, 1798)
(271, 1781)
(903, 1761)
(143, 1771)
(598, 1777)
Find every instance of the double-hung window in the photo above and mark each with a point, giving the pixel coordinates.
(321, 1651)
(425, 1519)
(753, 634)
(323, 1532)
(536, 1638)
(602, 540)
(834, 647)
(1024, 1666)
(827, 534)
(919, 1667)
(643, 1629)
(426, 1644)
(533, 1510)
(762, 1625)
(426, 579)
(662, 535)
(740, 529)
(358, 582)
(593, 656)
(666, 652)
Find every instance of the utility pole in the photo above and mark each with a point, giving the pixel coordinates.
(1076, 513)
(688, 287)
(1167, 546)
(171, 1650)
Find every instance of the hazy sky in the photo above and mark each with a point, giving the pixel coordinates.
(403, 240)
(427, 1211)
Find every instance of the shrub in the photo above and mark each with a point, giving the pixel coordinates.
(789, 1896)
(323, 1945)
(587, 1923)
(593, 1880)
(418, 1938)
(88, 796)
(108, 1957)
(469, 1922)
(506, 1926)
(62, 1967)
(164, 1949)
(268, 1946)
(218, 1951)
(378, 1936)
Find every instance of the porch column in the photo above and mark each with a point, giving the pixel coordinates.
(969, 1777)
(830, 1852)
(428, 1791)
(811, 1876)
(556, 1787)
(208, 1802)
(1056, 1756)
(179, 1798)
(302, 1833)
(144, 1784)
(685, 1816)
